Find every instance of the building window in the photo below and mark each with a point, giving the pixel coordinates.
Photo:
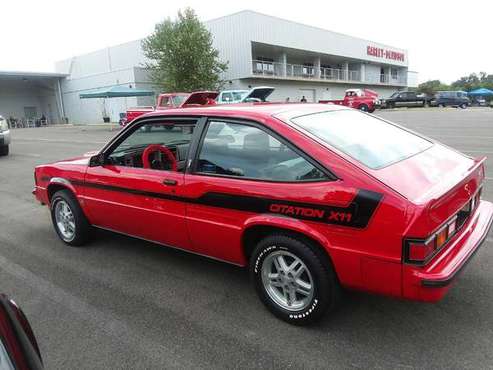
(263, 65)
(393, 73)
(308, 69)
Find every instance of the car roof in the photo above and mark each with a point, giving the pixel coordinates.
(174, 94)
(230, 91)
(283, 111)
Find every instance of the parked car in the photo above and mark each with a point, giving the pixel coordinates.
(406, 99)
(18, 347)
(451, 99)
(172, 101)
(478, 101)
(4, 136)
(257, 94)
(310, 197)
(362, 99)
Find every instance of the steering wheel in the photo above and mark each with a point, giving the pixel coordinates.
(157, 148)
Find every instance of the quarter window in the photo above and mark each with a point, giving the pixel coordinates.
(244, 151)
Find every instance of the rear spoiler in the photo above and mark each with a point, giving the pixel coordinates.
(439, 200)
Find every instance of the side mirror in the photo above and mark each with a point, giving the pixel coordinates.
(97, 160)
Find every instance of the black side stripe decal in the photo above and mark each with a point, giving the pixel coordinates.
(357, 214)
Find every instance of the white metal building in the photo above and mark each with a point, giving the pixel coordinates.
(298, 60)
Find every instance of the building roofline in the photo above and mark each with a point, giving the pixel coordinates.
(304, 25)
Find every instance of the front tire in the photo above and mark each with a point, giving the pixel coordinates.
(363, 108)
(463, 106)
(294, 281)
(4, 150)
(68, 219)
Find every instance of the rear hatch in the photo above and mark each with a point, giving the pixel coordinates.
(260, 93)
(200, 98)
(439, 178)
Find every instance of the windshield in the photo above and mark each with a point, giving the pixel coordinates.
(370, 140)
(395, 94)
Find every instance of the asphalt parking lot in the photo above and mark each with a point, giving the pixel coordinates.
(125, 303)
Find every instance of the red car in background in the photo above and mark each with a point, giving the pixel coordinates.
(363, 99)
(18, 347)
(171, 101)
(310, 197)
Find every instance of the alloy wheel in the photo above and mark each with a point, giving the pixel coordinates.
(287, 281)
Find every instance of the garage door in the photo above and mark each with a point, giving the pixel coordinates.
(309, 95)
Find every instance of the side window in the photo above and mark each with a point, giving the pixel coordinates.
(227, 97)
(165, 101)
(244, 151)
(157, 145)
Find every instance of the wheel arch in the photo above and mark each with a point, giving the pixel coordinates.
(57, 184)
(259, 228)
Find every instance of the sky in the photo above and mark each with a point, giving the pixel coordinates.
(445, 39)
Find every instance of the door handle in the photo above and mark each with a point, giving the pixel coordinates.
(170, 182)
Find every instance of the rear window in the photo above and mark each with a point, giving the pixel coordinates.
(369, 140)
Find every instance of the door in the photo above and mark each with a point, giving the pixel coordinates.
(239, 171)
(139, 190)
(400, 100)
(308, 95)
(411, 99)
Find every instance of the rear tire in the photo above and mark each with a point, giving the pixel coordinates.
(68, 219)
(463, 106)
(4, 150)
(293, 280)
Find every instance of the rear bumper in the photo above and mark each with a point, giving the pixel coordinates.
(431, 282)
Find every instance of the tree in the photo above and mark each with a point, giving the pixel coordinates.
(432, 86)
(181, 55)
(474, 81)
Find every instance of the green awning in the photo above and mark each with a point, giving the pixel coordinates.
(116, 92)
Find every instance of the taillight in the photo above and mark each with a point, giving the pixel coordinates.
(419, 251)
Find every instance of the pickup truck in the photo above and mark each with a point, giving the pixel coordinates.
(406, 99)
(362, 99)
(172, 101)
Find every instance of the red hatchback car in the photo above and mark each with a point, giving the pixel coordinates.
(311, 197)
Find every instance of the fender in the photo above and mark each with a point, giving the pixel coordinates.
(63, 182)
(287, 223)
